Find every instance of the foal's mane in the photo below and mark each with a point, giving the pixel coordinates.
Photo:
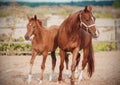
(38, 21)
(71, 23)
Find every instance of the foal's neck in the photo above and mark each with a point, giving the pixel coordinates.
(38, 35)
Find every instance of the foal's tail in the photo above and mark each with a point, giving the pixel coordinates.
(91, 61)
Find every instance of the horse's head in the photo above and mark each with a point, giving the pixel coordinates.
(87, 21)
(32, 26)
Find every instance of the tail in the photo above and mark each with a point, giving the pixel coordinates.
(91, 66)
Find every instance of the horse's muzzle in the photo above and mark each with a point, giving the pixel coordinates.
(96, 34)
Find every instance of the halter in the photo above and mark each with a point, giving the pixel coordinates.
(82, 23)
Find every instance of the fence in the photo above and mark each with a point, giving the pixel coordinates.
(117, 33)
(108, 33)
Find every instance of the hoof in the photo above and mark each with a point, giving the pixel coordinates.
(72, 82)
(50, 77)
(40, 82)
(76, 75)
(29, 79)
(80, 77)
(68, 73)
(59, 82)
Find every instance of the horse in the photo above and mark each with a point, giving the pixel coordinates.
(44, 41)
(76, 33)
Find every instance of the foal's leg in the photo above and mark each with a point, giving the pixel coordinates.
(34, 53)
(53, 64)
(43, 66)
(62, 57)
(84, 62)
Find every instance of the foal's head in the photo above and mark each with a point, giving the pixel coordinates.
(32, 26)
(87, 21)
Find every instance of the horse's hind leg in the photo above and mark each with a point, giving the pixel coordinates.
(34, 53)
(66, 61)
(78, 59)
(43, 66)
(53, 64)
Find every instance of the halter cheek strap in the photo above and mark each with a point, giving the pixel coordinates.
(82, 23)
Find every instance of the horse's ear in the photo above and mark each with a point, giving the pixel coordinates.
(35, 17)
(86, 8)
(90, 8)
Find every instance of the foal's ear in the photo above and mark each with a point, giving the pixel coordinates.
(28, 17)
(35, 17)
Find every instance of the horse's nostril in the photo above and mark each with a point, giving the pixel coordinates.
(26, 38)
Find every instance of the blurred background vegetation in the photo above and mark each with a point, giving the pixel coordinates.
(101, 9)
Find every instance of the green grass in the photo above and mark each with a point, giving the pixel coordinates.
(104, 46)
(4, 14)
(105, 15)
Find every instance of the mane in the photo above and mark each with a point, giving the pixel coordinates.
(72, 23)
(38, 21)
(39, 24)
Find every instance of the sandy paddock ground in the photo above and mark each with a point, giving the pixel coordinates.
(14, 70)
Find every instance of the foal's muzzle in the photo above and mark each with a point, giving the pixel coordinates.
(27, 37)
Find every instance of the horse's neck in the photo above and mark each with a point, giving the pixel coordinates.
(86, 38)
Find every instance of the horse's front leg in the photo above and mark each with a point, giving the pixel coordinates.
(34, 53)
(61, 67)
(67, 63)
(43, 66)
(84, 62)
(74, 62)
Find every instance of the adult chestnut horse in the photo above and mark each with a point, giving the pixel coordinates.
(44, 41)
(74, 34)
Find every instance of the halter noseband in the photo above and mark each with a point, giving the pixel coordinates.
(82, 23)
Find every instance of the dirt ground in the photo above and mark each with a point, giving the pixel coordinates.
(14, 70)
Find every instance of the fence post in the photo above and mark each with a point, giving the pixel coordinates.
(117, 33)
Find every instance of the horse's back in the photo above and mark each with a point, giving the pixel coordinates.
(50, 37)
(53, 27)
